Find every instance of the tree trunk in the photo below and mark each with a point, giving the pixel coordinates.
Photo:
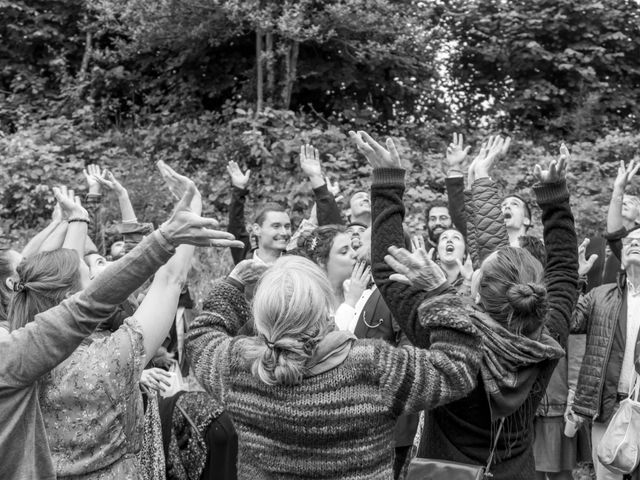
(88, 49)
(291, 69)
(271, 67)
(259, 79)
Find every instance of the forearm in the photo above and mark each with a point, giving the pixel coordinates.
(490, 231)
(34, 245)
(455, 196)
(93, 205)
(237, 223)
(124, 276)
(388, 213)
(328, 212)
(225, 312)
(55, 240)
(76, 237)
(614, 215)
(126, 209)
(561, 272)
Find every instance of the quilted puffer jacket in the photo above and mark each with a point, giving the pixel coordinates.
(478, 213)
(597, 314)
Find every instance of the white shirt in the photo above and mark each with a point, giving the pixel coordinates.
(633, 326)
(346, 316)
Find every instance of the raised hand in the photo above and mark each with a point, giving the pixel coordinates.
(310, 161)
(334, 189)
(415, 269)
(376, 154)
(248, 272)
(625, 175)
(108, 181)
(355, 287)
(584, 264)
(238, 179)
(557, 170)
(456, 152)
(178, 184)
(92, 174)
(70, 204)
(492, 150)
(185, 227)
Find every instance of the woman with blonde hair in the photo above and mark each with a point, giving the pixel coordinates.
(309, 401)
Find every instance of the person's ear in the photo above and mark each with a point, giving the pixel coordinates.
(527, 222)
(10, 282)
(256, 230)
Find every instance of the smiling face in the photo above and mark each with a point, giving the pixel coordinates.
(360, 204)
(451, 247)
(630, 208)
(631, 249)
(274, 232)
(341, 260)
(515, 213)
(437, 221)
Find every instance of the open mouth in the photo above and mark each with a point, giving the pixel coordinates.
(507, 215)
(449, 248)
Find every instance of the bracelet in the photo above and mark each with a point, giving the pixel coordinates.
(166, 238)
(79, 219)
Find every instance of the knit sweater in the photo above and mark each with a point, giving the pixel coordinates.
(462, 431)
(338, 424)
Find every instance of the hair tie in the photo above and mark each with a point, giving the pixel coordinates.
(18, 286)
(271, 345)
(314, 244)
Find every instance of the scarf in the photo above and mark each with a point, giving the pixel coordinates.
(332, 350)
(511, 364)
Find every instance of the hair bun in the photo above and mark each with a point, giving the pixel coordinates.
(529, 298)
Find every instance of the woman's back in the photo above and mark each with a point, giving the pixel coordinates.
(92, 406)
(338, 424)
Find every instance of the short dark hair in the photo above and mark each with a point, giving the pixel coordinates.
(435, 204)
(261, 214)
(316, 245)
(527, 208)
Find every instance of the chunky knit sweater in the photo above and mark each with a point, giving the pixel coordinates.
(339, 424)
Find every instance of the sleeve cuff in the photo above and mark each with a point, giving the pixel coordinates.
(239, 192)
(388, 176)
(551, 192)
(163, 242)
(235, 283)
(617, 235)
(321, 191)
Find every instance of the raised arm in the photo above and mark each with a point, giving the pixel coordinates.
(327, 210)
(35, 244)
(93, 204)
(388, 213)
(237, 226)
(33, 350)
(561, 243)
(615, 221)
(454, 183)
(209, 340)
(414, 379)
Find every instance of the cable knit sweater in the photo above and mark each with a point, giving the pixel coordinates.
(339, 424)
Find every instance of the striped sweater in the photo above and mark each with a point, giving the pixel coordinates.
(339, 424)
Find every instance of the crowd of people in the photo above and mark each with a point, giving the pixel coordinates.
(345, 348)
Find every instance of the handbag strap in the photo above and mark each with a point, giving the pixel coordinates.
(493, 449)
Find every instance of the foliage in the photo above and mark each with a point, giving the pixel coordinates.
(569, 67)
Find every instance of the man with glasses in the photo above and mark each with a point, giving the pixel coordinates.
(610, 316)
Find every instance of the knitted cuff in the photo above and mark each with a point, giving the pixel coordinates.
(388, 176)
(551, 192)
(617, 235)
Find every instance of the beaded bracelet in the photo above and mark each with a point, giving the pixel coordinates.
(78, 219)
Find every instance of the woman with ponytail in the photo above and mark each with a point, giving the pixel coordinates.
(312, 402)
(522, 310)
